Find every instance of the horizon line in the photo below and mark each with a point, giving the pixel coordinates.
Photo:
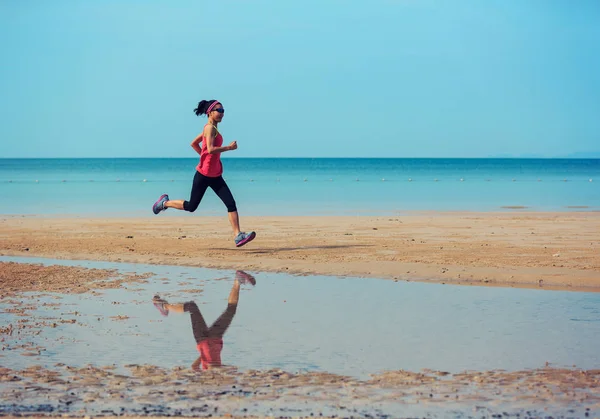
(592, 157)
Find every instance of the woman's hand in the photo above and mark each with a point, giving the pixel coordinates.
(233, 145)
(196, 365)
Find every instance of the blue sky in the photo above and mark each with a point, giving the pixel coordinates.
(317, 78)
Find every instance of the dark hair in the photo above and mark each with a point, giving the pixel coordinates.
(203, 105)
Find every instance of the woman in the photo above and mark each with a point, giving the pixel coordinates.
(209, 171)
(209, 340)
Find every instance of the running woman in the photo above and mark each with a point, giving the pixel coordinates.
(209, 171)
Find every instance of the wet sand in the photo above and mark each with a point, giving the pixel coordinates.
(150, 390)
(521, 249)
(23, 277)
(54, 280)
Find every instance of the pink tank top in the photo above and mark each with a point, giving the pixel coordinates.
(210, 352)
(210, 164)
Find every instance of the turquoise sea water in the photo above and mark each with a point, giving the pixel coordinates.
(297, 186)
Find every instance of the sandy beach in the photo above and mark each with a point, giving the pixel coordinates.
(520, 249)
(541, 250)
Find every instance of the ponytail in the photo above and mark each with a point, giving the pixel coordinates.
(204, 106)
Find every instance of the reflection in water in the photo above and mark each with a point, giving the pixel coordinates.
(454, 328)
(209, 340)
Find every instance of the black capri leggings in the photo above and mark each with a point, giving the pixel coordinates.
(201, 183)
(217, 329)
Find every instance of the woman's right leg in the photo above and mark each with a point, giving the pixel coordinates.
(199, 187)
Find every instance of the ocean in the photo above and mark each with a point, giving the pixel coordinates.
(302, 186)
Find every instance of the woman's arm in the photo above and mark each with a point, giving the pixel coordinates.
(209, 137)
(196, 144)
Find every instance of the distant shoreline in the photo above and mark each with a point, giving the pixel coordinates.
(592, 157)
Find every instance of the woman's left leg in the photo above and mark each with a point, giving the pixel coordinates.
(220, 326)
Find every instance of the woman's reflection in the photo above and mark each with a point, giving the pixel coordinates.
(209, 340)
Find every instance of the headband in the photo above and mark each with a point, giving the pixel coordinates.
(212, 105)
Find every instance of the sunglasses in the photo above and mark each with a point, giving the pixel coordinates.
(220, 110)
